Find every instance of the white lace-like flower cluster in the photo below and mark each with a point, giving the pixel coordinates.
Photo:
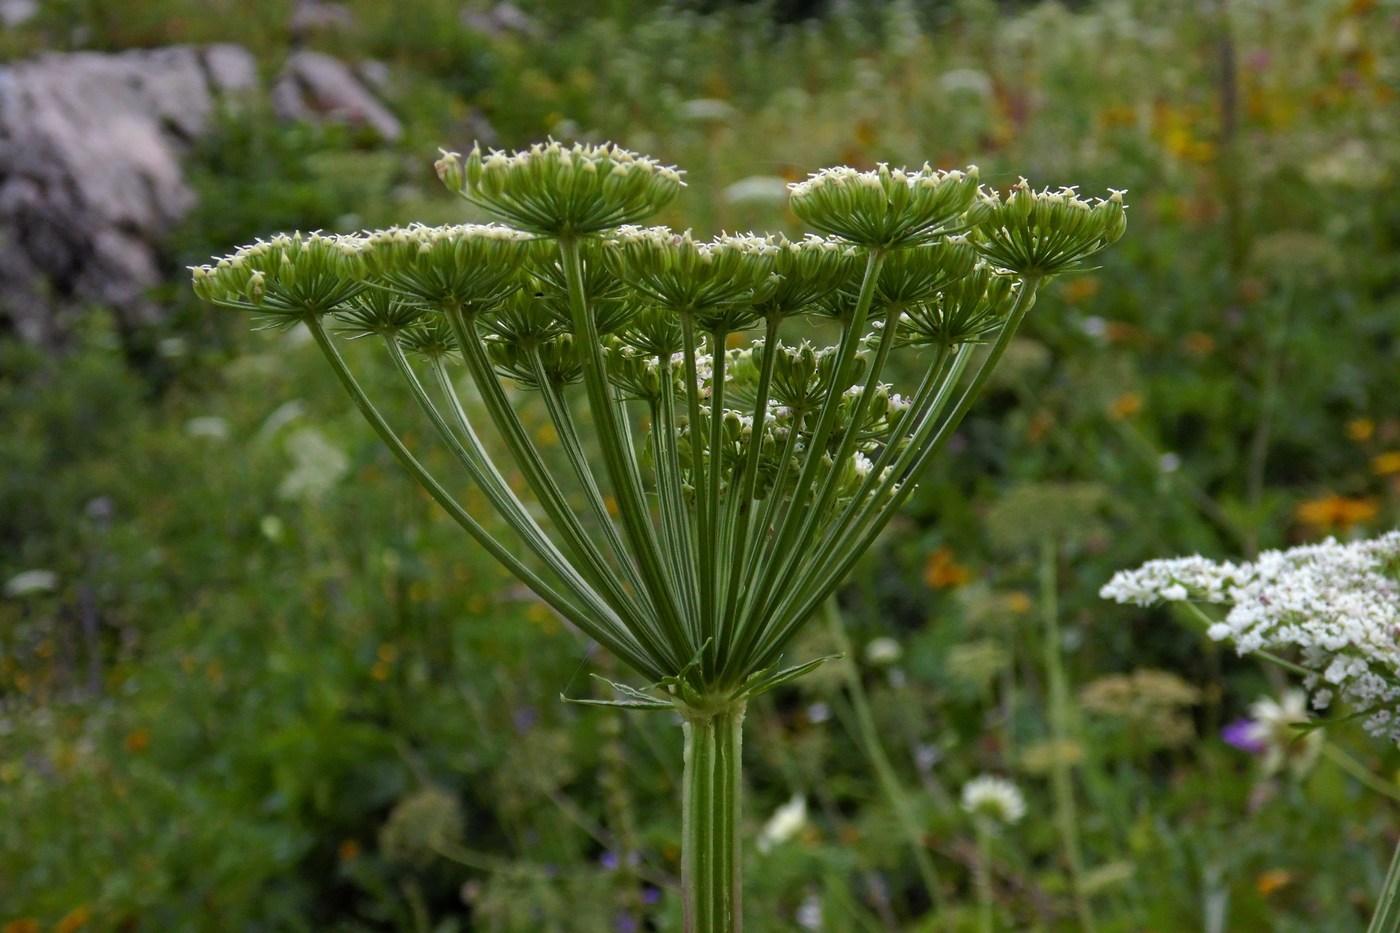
(1337, 605)
(993, 798)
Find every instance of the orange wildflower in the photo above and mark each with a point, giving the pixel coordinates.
(1333, 511)
(75, 919)
(24, 925)
(1198, 343)
(1080, 288)
(1270, 881)
(138, 739)
(349, 850)
(1125, 406)
(943, 571)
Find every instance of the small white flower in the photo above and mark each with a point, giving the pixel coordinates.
(993, 798)
(211, 426)
(882, 652)
(1275, 725)
(31, 582)
(786, 822)
(809, 914)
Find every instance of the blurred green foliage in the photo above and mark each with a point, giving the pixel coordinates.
(264, 685)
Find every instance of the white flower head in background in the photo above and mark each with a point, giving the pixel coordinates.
(1335, 606)
(785, 823)
(993, 799)
(30, 583)
(883, 652)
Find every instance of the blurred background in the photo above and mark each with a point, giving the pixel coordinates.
(251, 679)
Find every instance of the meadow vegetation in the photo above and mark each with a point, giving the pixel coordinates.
(252, 678)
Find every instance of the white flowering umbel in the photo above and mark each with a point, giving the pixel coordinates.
(717, 473)
(1335, 606)
(995, 799)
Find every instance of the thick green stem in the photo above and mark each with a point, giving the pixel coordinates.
(711, 856)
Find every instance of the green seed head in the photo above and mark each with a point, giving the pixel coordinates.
(970, 310)
(286, 278)
(467, 265)
(806, 270)
(715, 281)
(1041, 233)
(885, 208)
(554, 190)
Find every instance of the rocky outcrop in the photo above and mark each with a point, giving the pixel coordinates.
(90, 167)
(90, 176)
(314, 86)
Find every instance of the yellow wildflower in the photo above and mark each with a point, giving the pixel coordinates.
(1386, 464)
(1361, 429)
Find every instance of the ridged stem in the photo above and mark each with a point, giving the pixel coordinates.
(711, 856)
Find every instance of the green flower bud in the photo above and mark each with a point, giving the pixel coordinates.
(804, 271)
(713, 281)
(469, 266)
(610, 301)
(552, 190)
(970, 310)
(635, 372)
(915, 275)
(286, 278)
(432, 338)
(1044, 232)
(556, 357)
(887, 208)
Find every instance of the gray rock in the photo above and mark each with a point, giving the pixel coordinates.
(313, 16)
(500, 19)
(90, 176)
(17, 12)
(314, 86)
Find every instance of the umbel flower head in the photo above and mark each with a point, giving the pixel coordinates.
(888, 208)
(557, 190)
(716, 484)
(1336, 606)
(1045, 232)
(285, 278)
(993, 799)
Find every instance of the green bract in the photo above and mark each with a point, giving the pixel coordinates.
(1044, 232)
(887, 208)
(715, 471)
(556, 190)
